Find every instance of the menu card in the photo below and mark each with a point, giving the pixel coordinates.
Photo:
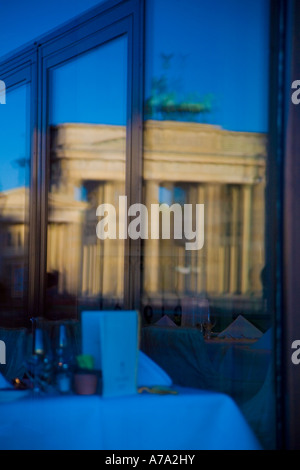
(112, 338)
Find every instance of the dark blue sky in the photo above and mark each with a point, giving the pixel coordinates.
(218, 48)
(94, 94)
(14, 142)
(21, 21)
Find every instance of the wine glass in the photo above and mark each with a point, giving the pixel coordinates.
(64, 356)
(208, 324)
(38, 360)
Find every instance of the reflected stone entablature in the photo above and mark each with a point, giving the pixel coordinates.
(223, 169)
(173, 151)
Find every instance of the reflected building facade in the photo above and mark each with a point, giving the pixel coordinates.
(224, 170)
(185, 163)
(13, 236)
(87, 167)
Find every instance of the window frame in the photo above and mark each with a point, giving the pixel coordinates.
(19, 71)
(101, 24)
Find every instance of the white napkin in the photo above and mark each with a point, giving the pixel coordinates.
(241, 328)
(4, 383)
(166, 321)
(265, 342)
(150, 374)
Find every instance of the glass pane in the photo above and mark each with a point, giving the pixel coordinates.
(14, 198)
(205, 150)
(88, 149)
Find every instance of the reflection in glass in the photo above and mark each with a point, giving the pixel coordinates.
(205, 142)
(15, 32)
(231, 262)
(14, 198)
(88, 148)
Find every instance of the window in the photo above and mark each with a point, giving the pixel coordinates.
(206, 143)
(94, 123)
(15, 170)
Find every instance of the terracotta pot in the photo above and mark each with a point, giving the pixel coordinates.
(85, 384)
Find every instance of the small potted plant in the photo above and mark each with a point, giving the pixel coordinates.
(85, 375)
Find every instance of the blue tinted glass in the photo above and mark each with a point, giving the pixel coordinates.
(205, 145)
(95, 92)
(41, 17)
(208, 62)
(87, 117)
(14, 143)
(14, 200)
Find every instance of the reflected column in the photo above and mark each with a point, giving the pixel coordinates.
(212, 206)
(257, 236)
(151, 250)
(110, 252)
(246, 237)
(201, 254)
(234, 240)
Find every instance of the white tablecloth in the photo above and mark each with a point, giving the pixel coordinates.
(190, 420)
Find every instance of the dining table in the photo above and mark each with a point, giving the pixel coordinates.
(228, 365)
(176, 418)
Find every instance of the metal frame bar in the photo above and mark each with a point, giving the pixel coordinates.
(291, 226)
(282, 221)
(273, 200)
